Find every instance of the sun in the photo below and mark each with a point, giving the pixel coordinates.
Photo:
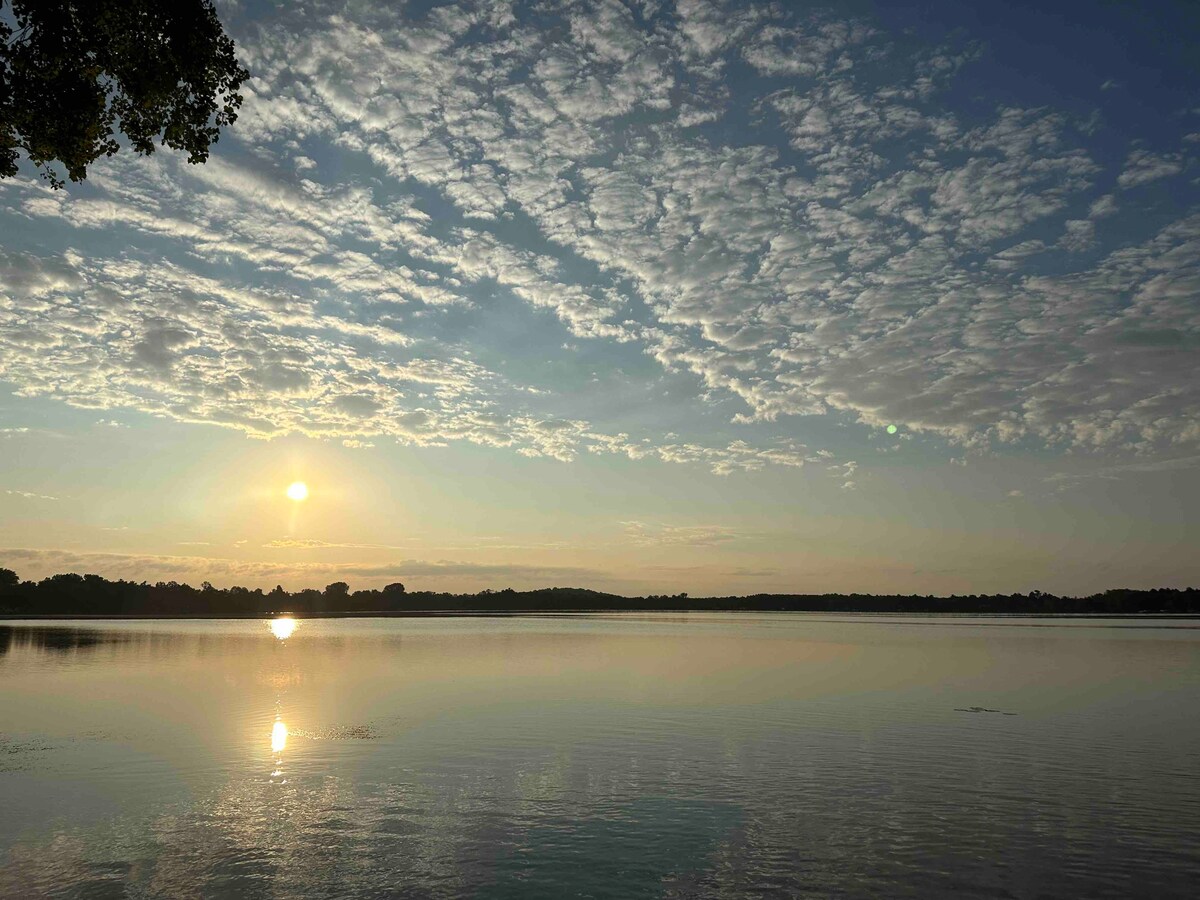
(297, 491)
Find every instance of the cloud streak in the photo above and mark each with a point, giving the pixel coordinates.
(38, 563)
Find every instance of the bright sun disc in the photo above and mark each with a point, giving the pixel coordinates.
(297, 490)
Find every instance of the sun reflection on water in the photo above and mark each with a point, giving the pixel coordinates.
(279, 736)
(283, 627)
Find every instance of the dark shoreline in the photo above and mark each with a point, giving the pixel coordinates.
(71, 595)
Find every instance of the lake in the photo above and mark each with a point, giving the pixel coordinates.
(623, 755)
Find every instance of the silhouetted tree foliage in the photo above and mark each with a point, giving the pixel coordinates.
(72, 72)
(74, 595)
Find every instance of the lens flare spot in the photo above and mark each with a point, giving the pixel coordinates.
(279, 736)
(297, 491)
(891, 429)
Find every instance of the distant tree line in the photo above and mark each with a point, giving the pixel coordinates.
(92, 595)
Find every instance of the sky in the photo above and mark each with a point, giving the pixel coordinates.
(646, 297)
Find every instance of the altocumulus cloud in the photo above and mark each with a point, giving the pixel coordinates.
(783, 207)
(646, 534)
(141, 567)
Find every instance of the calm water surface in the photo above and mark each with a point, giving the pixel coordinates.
(601, 756)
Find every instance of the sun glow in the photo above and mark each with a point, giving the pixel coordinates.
(297, 491)
(279, 736)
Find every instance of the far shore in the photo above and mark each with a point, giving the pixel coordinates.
(74, 596)
(549, 614)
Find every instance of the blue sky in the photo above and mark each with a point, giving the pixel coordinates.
(627, 295)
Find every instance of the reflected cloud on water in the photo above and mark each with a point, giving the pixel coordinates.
(203, 637)
(54, 638)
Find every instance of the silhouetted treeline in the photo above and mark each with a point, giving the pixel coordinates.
(91, 595)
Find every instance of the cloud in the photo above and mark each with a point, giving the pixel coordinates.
(316, 544)
(39, 563)
(1143, 167)
(29, 495)
(414, 204)
(1113, 473)
(676, 573)
(1102, 207)
(658, 535)
(1080, 235)
(210, 353)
